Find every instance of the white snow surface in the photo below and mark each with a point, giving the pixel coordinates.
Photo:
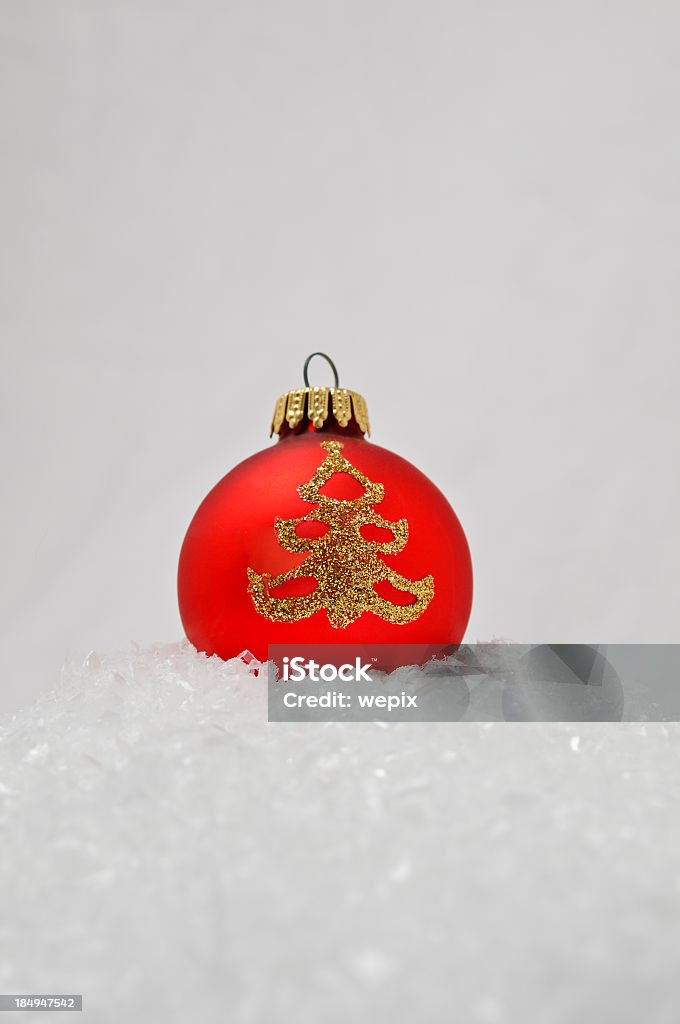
(173, 857)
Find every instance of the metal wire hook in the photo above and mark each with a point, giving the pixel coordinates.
(328, 360)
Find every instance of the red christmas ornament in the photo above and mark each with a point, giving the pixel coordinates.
(324, 538)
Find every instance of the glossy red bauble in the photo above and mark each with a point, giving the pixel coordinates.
(264, 564)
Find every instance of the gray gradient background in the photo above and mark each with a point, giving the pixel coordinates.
(474, 207)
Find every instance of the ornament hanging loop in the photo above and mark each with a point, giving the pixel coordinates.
(328, 360)
(316, 405)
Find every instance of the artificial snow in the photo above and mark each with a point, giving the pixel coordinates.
(173, 857)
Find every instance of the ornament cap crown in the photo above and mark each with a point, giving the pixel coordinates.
(319, 405)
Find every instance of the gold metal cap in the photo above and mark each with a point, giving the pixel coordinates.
(316, 404)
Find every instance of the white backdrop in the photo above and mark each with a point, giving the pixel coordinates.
(473, 203)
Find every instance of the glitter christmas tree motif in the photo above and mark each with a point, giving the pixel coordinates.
(343, 563)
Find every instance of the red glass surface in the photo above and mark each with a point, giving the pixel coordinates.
(233, 530)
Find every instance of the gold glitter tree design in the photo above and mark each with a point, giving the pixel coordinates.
(344, 564)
